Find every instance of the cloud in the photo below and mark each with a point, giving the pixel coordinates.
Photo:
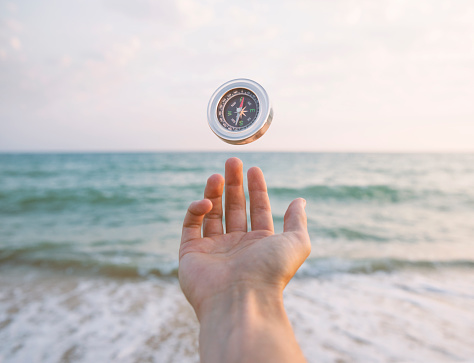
(342, 74)
(15, 43)
(14, 25)
(163, 11)
(195, 14)
(122, 53)
(11, 7)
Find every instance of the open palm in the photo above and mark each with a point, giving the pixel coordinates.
(259, 259)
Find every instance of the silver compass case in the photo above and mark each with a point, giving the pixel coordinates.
(254, 131)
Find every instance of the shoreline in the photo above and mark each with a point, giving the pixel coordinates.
(402, 316)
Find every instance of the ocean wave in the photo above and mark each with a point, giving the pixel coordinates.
(349, 234)
(134, 264)
(315, 267)
(62, 199)
(98, 268)
(344, 233)
(112, 263)
(346, 192)
(181, 168)
(30, 173)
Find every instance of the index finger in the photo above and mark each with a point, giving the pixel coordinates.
(193, 220)
(213, 219)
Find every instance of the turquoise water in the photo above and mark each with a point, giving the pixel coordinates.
(122, 213)
(89, 249)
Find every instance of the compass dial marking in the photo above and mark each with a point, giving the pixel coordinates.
(232, 103)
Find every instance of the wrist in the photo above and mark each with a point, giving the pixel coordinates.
(247, 325)
(240, 299)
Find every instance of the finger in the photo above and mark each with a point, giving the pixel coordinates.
(213, 219)
(295, 217)
(193, 220)
(260, 210)
(235, 214)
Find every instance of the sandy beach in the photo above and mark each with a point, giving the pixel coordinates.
(46, 316)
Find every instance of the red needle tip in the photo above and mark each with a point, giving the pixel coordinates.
(242, 103)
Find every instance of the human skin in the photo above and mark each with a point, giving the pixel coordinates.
(235, 280)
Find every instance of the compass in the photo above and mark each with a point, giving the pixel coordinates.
(239, 111)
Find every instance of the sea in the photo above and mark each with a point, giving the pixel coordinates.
(89, 254)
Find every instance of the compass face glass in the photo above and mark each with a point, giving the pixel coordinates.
(238, 109)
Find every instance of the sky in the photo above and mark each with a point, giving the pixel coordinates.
(342, 75)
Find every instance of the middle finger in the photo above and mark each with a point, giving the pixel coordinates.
(235, 213)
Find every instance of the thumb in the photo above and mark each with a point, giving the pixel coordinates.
(295, 217)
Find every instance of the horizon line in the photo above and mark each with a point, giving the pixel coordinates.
(151, 151)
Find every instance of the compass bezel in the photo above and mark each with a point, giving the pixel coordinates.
(258, 127)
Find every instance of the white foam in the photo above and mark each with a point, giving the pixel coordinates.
(401, 317)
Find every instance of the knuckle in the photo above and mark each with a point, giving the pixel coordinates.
(262, 208)
(214, 215)
(235, 207)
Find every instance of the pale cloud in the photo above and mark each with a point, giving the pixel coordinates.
(14, 25)
(15, 43)
(195, 14)
(65, 61)
(122, 53)
(11, 7)
(307, 37)
(163, 11)
(342, 75)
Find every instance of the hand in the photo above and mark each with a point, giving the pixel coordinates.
(218, 265)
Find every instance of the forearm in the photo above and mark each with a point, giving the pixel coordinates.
(247, 326)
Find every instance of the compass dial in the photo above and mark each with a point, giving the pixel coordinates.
(238, 109)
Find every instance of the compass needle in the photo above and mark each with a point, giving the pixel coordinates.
(239, 110)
